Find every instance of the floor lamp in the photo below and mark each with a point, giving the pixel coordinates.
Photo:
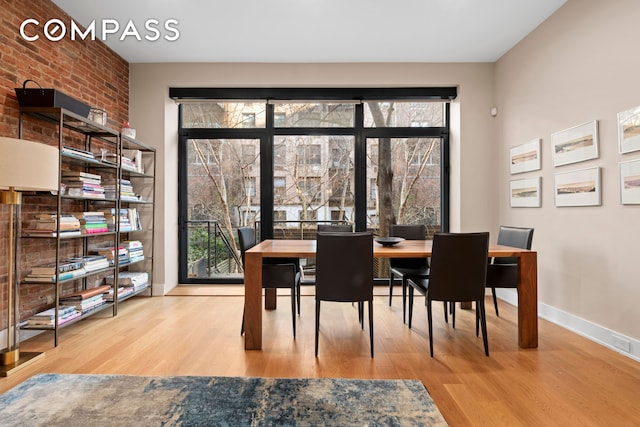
(24, 166)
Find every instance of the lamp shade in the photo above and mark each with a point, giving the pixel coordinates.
(27, 165)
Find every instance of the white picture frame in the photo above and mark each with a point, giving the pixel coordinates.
(629, 130)
(578, 188)
(525, 157)
(630, 182)
(525, 193)
(576, 144)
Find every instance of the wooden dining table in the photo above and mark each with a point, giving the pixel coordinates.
(527, 281)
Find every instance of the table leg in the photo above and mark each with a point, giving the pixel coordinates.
(270, 298)
(252, 301)
(528, 300)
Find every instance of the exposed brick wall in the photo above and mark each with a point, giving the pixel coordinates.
(87, 70)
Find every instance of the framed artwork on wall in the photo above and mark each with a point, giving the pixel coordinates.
(630, 182)
(629, 130)
(578, 188)
(525, 157)
(525, 193)
(575, 144)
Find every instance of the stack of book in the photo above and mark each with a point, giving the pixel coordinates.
(122, 292)
(135, 249)
(45, 224)
(47, 273)
(83, 184)
(48, 317)
(78, 153)
(129, 282)
(126, 189)
(133, 160)
(129, 219)
(110, 253)
(86, 300)
(93, 222)
(92, 262)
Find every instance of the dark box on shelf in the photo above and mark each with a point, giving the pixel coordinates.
(36, 97)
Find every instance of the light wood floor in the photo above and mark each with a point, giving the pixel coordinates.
(567, 381)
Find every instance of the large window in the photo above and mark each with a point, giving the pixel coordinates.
(282, 164)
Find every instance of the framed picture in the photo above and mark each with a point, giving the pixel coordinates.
(578, 188)
(525, 157)
(575, 144)
(629, 130)
(630, 182)
(525, 193)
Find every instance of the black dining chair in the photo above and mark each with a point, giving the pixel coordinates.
(502, 272)
(450, 282)
(405, 268)
(344, 273)
(310, 263)
(276, 272)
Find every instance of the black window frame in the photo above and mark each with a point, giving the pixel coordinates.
(267, 134)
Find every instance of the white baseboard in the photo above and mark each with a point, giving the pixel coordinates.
(599, 334)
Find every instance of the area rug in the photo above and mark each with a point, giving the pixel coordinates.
(123, 400)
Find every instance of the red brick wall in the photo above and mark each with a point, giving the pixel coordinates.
(86, 70)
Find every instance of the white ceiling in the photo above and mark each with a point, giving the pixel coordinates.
(318, 30)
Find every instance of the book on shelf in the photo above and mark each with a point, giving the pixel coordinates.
(136, 251)
(50, 313)
(92, 262)
(48, 317)
(76, 152)
(110, 253)
(135, 156)
(136, 279)
(80, 175)
(51, 322)
(85, 304)
(122, 292)
(30, 232)
(46, 224)
(51, 277)
(86, 293)
(63, 267)
(126, 189)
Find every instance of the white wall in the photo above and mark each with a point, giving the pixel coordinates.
(154, 115)
(579, 65)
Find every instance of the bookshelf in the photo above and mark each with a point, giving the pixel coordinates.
(97, 228)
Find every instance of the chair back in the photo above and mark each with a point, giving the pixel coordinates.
(516, 237)
(408, 232)
(341, 228)
(246, 240)
(344, 266)
(458, 266)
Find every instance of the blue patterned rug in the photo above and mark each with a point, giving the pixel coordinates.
(122, 400)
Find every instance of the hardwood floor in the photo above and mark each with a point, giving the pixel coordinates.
(568, 380)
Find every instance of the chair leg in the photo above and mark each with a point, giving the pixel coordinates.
(483, 321)
(298, 297)
(430, 322)
(242, 327)
(361, 314)
(452, 307)
(410, 305)
(317, 323)
(404, 298)
(477, 320)
(293, 310)
(390, 288)
(371, 325)
(446, 311)
(495, 301)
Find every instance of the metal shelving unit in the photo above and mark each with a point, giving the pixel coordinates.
(91, 137)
